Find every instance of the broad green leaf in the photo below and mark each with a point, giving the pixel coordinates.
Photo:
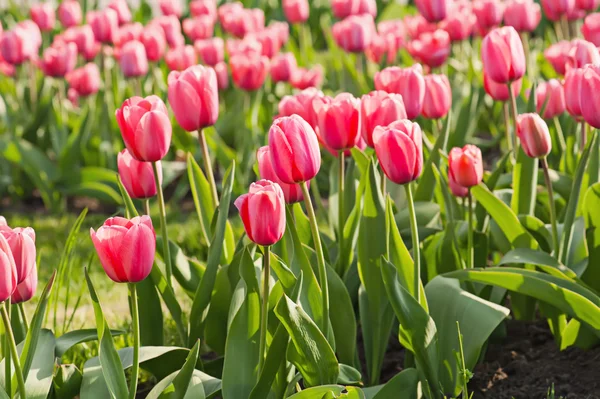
(525, 176)
(201, 386)
(330, 392)
(187, 275)
(404, 385)
(168, 297)
(538, 230)
(201, 193)
(76, 337)
(543, 260)
(591, 205)
(343, 321)
(67, 382)
(349, 375)
(182, 380)
(150, 314)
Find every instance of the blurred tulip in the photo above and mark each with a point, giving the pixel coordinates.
(339, 121)
(33, 32)
(301, 104)
(294, 149)
(227, 8)
(591, 28)
(557, 55)
(3, 221)
(551, 95)
(394, 28)
(407, 82)
(555, 9)
(122, 9)
(104, 24)
(572, 90)
(438, 96)
(222, 75)
(296, 11)
(431, 49)
(15, 46)
(589, 100)
(263, 212)
(281, 30)
(26, 289)
(534, 135)
(181, 58)
(382, 49)
(211, 51)
(587, 5)
(303, 78)
(456, 189)
(291, 192)
(84, 80)
(73, 97)
(345, 8)
(69, 13)
(379, 108)
(84, 39)
(137, 177)
(194, 97)
(153, 39)
(204, 8)
(499, 91)
(269, 40)
(489, 13)
(22, 244)
(126, 248)
(503, 55)
(146, 127)
(416, 25)
(59, 59)
(355, 33)
(43, 15)
(127, 33)
(171, 7)
(575, 14)
(133, 60)
(243, 21)
(523, 15)
(399, 148)
(465, 165)
(171, 28)
(249, 72)
(283, 66)
(246, 46)
(8, 270)
(460, 22)
(582, 53)
(198, 28)
(433, 10)
(6, 69)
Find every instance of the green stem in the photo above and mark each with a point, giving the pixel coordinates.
(552, 206)
(208, 166)
(135, 321)
(341, 215)
(463, 367)
(163, 224)
(470, 249)
(513, 102)
(24, 317)
(320, 257)
(14, 354)
(6, 350)
(509, 145)
(560, 135)
(414, 230)
(147, 206)
(583, 136)
(264, 315)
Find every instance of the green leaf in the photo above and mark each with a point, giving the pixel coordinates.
(349, 375)
(129, 206)
(151, 314)
(330, 392)
(76, 337)
(538, 230)
(201, 386)
(67, 382)
(404, 385)
(201, 193)
(525, 176)
(275, 358)
(543, 260)
(343, 321)
(168, 297)
(182, 380)
(591, 204)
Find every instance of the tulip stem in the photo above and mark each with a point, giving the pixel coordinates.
(560, 135)
(32, 84)
(551, 205)
(264, 315)
(135, 322)
(12, 346)
(147, 206)
(515, 112)
(414, 230)
(7, 368)
(208, 166)
(320, 258)
(163, 224)
(508, 136)
(24, 317)
(583, 136)
(470, 249)
(341, 214)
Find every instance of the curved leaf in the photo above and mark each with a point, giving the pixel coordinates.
(76, 337)
(543, 260)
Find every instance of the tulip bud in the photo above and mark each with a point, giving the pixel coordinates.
(432, 10)
(416, 25)
(456, 189)
(104, 24)
(22, 244)
(555, 9)
(431, 49)
(399, 148)
(59, 59)
(503, 55)
(303, 78)
(84, 39)
(133, 61)
(198, 28)
(204, 8)
(438, 96)
(43, 15)
(211, 51)
(489, 13)
(294, 149)
(551, 95)
(296, 11)
(194, 97)
(534, 135)
(222, 75)
(270, 41)
(465, 165)
(171, 28)
(263, 212)
(8, 270)
(339, 121)
(15, 46)
(301, 104)
(153, 39)
(408, 82)
(557, 55)
(382, 45)
(127, 33)
(291, 192)
(499, 91)
(122, 9)
(137, 177)
(355, 33)
(247, 46)
(249, 72)
(591, 28)
(379, 108)
(573, 92)
(523, 15)
(126, 248)
(586, 5)
(26, 289)
(460, 22)
(345, 8)
(582, 53)
(181, 58)
(69, 13)
(145, 127)
(171, 7)
(394, 28)
(590, 86)
(85, 80)
(282, 67)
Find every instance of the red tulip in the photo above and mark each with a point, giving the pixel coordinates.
(137, 177)
(43, 15)
(555, 9)
(126, 248)
(69, 13)
(431, 49)
(282, 67)
(416, 25)
(586, 5)
(198, 28)
(407, 82)
(222, 75)
(59, 59)
(460, 22)
(465, 165)
(582, 53)
(84, 80)
(8, 270)
(503, 55)
(399, 148)
(291, 192)
(22, 244)
(127, 33)
(489, 13)
(523, 15)
(133, 61)
(379, 108)
(194, 97)
(456, 189)
(263, 212)
(171, 7)
(296, 11)
(145, 127)
(590, 86)
(294, 148)
(345, 8)
(26, 289)
(551, 95)
(171, 28)
(499, 91)
(339, 121)
(432, 10)
(211, 51)
(557, 55)
(204, 8)
(572, 89)
(355, 33)
(301, 104)
(181, 58)
(534, 135)
(249, 72)
(122, 10)
(104, 24)
(303, 78)
(591, 28)
(153, 39)
(438, 96)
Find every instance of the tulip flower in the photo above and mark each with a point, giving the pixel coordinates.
(301, 104)
(281, 30)
(416, 25)
(222, 75)
(127, 33)
(153, 39)
(211, 51)
(84, 80)
(199, 28)
(181, 58)
(282, 67)
(534, 135)
(339, 121)
(3, 221)
(394, 28)
(26, 289)
(399, 148)
(345, 8)
(503, 55)
(22, 244)
(8, 270)
(460, 22)
(243, 21)
(431, 49)
(355, 33)
(171, 7)
(555, 9)
(499, 91)
(550, 95)
(122, 9)
(43, 15)
(84, 39)
(489, 14)
(456, 189)
(586, 5)
(171, 28)
(408, 82)
(137, 177)
(379, 108)
(433, 10)
(591, 28)
(247, 46)
(523, 15)
(438, 96)
(291, 192)
(303, 78)
(465, 165)
(270, 42)
(104, 24)
(249, 72)
(133, 61)
(382, 46)
(69, 13)
(573, 92)
(204, 8)
(16, 46)
(145, 127)
(582, 53)
(59, 59)
(296, 11)
(590, 84)
(557, 55)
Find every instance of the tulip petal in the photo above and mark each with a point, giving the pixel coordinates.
(137, 252)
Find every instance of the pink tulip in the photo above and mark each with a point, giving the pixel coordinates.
(228, 11)
(194, 97)
(379, 108)
(8, 270)
(416, 25)
(153, 39)
(590, 86)
(22, 244)
(489, 13)
(557, 55)
(591, 28)
(555, 9)
(137, 177)
(572, 89)
(122, 10)
(339, 121)
(33, 32)
(438, 96)
(582, 53)
(59, 59)
(6, 69)
(20, 44)
(171, 7)
(222, 75)
(433, 10)
(503, 55)
(407, 82)
(243, 21)
(145, 127)
(43, 15)
(303, 78)
(83, 37)
(394, 28)
(586, 5)
(104, 24)
(456, 189)
(263, 212)
(534, 135)
(523, 15)
(296, 11)
(270, 41)
(355, 33)
(69, 13)
(171, 28)
(460, 22)
(345, 8)
(465, 165)
(382, 46)
(26, 289)
(204, 8)
(181, 58)
(291, 192)
(301, 104)
(399, 148)
(198, 28)
(127, 33)
(431, 49)
(211, 51)
(575, 14)
(294, 148)
(281, 30)
(282, 67)
(248, 45)
(84, 80)
(133, 61)
(126, 248)
(551, 95)
(499, 91)
(249, 72)
(3, 221)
